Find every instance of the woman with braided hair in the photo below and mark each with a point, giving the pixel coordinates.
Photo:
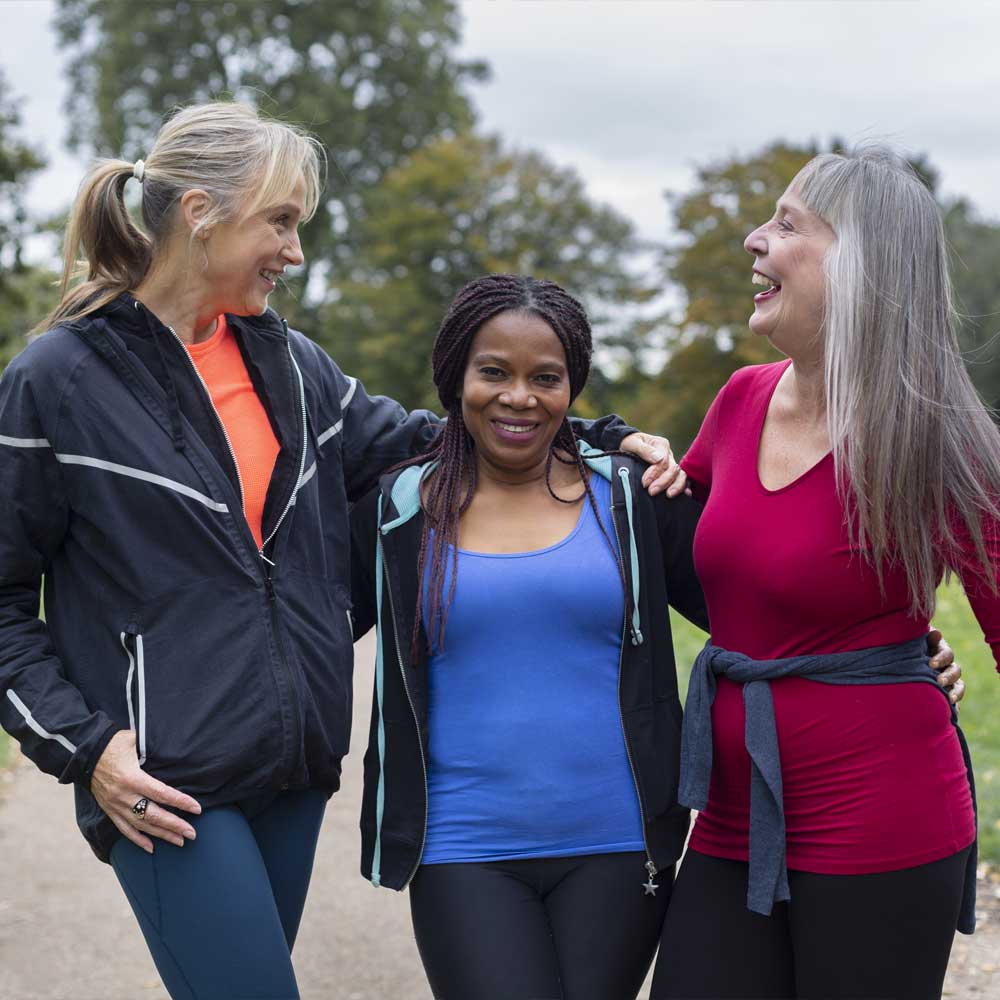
(522, 770)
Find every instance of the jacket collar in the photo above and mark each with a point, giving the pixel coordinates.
(402, 488)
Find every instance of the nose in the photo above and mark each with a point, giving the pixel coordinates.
(756, 242)
(519, 397)
(292, 251)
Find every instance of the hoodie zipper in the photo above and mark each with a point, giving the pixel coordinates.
(650, 886)
(222, 426)
(302, 459)
(409, 698)
(268, 564)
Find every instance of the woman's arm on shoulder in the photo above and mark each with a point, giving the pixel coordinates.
(676, 521)
(375, 432)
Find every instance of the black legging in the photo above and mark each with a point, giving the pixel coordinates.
(577, 928)
(885, 936)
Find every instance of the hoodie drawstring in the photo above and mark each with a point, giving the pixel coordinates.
(634, 557)
(173, 400)
(376, 878)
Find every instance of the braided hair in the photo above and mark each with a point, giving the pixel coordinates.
(452, 485)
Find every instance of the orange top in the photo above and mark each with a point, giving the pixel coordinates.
(220, 364)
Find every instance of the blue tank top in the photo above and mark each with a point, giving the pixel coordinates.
(526, 756)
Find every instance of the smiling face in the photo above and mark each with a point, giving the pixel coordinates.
(515, 392)
(246, 257)
(788, 253)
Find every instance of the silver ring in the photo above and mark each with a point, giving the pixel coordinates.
(139, 809)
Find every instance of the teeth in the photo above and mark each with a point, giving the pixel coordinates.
(762, 279)
(515, 428)
(271, 275)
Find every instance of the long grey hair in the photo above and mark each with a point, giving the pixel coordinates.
(916, 454)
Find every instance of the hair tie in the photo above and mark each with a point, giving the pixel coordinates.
(139, 170)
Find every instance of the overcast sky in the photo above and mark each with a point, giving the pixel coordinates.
(635, 93)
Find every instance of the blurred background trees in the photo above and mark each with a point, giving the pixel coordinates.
(25, 292)
(419, 201)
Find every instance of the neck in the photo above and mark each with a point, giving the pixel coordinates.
(807, 388)
(496, 477)
(178, 302)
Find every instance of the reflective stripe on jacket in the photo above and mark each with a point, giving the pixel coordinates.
(231, 664)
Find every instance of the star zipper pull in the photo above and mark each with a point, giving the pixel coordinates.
(650, 886)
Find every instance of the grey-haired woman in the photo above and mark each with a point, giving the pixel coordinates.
(834, 854)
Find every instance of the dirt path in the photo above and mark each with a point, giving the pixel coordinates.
(66, 932)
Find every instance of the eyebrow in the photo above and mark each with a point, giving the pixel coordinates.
(481, 359)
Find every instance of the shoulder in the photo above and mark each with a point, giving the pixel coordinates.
(754, 377)
(49, 360)
(747, 386)
(319, 370)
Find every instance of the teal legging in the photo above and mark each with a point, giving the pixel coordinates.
(220, 914)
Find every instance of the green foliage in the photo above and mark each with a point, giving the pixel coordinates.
(979, 712)
(22, 288)
(454, 210)
(373, 79)
(26, 295)
(980, 709)
(975, 268)
(18, 161)
(711, 338)
(7, 749)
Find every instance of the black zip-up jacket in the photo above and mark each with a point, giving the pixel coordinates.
(119, 486)
(654, 536)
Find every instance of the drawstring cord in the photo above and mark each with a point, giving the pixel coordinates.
(173, 400)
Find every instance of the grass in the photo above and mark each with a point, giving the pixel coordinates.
(980, 714)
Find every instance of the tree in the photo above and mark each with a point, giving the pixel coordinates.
(373, 79)
(975, 267)
(24, 291)
(709, 340)
(457, 209)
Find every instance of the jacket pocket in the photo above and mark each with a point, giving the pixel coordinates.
(135, 688)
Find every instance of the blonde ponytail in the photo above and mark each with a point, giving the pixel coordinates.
(115, 254)
(242, 160)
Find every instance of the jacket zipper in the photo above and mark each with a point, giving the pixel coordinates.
(283, 659)
(137, 705)
(416, 723)
(302, 459)
(651, 868)
(222, 426)
(269, 565)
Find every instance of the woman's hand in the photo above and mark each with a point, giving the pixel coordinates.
(943, 660)
(118, 783)
(663, 472)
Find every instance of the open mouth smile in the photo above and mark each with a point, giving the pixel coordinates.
(518, 431)
(773, 289)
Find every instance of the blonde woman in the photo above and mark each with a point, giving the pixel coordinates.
(178, 464)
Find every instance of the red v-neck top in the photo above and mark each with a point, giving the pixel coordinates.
(873, 775)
